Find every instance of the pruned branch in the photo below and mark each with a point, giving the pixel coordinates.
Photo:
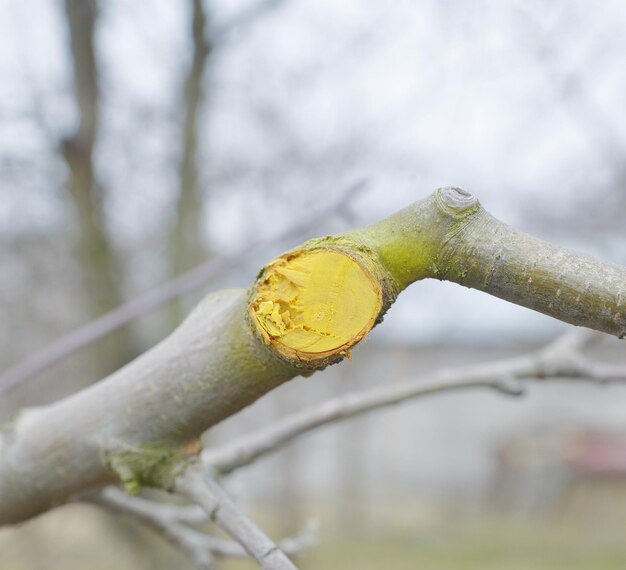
(563, 358)
(95, 329)
(306, 310)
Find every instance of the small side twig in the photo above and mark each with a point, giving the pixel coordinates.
(167, 520)
(246, 449)
(175, 522)
(560, 359)
(202, 489)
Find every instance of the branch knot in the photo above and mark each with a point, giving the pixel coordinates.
(456, 202)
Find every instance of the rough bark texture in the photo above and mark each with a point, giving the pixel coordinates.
(207, 370)
(136, 422)
(449, 236)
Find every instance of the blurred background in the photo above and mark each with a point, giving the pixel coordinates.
(140, 140)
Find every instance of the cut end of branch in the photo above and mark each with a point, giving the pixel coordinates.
(313, 305)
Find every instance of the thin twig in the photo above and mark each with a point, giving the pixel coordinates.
(202, 489)
(248, 15)
(560, 358)
(174, 523)
(248, 448)
(147, 509)
(167, 520)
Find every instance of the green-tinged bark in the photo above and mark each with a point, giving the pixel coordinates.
(140, 420)
(449, 236)
(207, 370)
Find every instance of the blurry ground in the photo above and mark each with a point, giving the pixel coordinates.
(571, 537)
(417, 486)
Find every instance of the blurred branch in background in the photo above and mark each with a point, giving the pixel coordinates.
(176, 524)
(186, 242)
(201, 488)
(39, 360)
(292, 100)
(563, 358)
(104, 270)
(560, 359)
(247, 16)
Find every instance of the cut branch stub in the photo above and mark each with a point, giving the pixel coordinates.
(307, 309)
(456, 201)
(313, 304)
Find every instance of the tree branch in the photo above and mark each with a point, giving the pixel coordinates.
(205, 491)
(168, 520)
(560, 359)
(137, 423)
(449, 236)
(84, 335)
(174, 523)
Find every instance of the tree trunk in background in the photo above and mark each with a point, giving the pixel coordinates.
(101, 274)
(186, 241)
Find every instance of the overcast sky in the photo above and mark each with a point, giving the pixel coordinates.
(521, 103)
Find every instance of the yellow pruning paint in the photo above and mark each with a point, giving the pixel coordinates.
(315, 303)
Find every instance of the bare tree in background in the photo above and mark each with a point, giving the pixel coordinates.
(186, 242)
(572, 85)
(222, 358)
(86, 191)
(102, 271)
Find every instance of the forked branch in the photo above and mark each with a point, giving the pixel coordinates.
(202, 489)
(176, 524)
(306, 310)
